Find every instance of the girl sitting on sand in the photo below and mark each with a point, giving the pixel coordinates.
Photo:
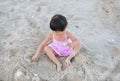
(63, 43)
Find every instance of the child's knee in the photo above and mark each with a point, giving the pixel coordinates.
(46, 48)
(78, 47)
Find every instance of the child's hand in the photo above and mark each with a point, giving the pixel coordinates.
(35, 58)
(69, 44)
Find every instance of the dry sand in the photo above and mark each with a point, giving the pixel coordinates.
(25, 23)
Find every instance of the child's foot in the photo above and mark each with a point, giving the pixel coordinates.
(68, 62)
(59, 67)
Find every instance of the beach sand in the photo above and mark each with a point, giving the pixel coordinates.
(25, 23)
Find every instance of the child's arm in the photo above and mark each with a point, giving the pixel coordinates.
(76, 47)
(41, 46)
(75, 42)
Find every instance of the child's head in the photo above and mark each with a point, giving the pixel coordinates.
(58, 23)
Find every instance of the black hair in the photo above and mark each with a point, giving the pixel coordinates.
(58, 23)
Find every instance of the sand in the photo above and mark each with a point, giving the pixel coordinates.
(25, 23)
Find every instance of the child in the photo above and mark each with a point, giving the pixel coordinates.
(63, 43)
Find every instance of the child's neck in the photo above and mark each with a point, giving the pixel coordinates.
(60, 36)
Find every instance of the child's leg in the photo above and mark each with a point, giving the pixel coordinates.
(73, 54)
(50, 53)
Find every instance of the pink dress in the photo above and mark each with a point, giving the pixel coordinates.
(59, 46)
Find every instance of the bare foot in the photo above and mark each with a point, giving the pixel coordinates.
(59, 67)
(68, 62)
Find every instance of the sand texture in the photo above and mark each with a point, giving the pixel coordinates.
(25, 23)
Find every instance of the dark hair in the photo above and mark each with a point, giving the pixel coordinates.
(58, 23)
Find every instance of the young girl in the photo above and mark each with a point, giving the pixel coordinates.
(63, 43)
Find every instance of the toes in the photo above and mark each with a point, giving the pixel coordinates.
(68, 63)
(58, 68)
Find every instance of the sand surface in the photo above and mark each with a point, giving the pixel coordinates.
(25, 23)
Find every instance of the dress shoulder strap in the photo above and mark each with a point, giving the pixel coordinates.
(65, 35)
(53, 38)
